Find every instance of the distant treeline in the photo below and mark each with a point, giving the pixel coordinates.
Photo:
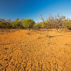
(51, 22)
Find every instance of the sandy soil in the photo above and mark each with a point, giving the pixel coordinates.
(25, 50)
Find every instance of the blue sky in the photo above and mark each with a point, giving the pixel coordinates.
(33, 8)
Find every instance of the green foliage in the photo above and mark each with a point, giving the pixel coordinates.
(67, 24)
(23, 23)
(27, 23)
(41, 25)
(4, 24)
(16, 24)
(52, 22)
(37, 26)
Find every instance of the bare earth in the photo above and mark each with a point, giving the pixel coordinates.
(25, 50)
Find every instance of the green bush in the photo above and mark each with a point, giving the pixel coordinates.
(52, 22)
(37, 26)
(67, 24)
(27, 23)
(4, 25)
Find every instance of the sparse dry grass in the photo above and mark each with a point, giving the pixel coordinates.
(25, 50)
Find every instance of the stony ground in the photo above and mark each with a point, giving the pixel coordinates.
(24, 50)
